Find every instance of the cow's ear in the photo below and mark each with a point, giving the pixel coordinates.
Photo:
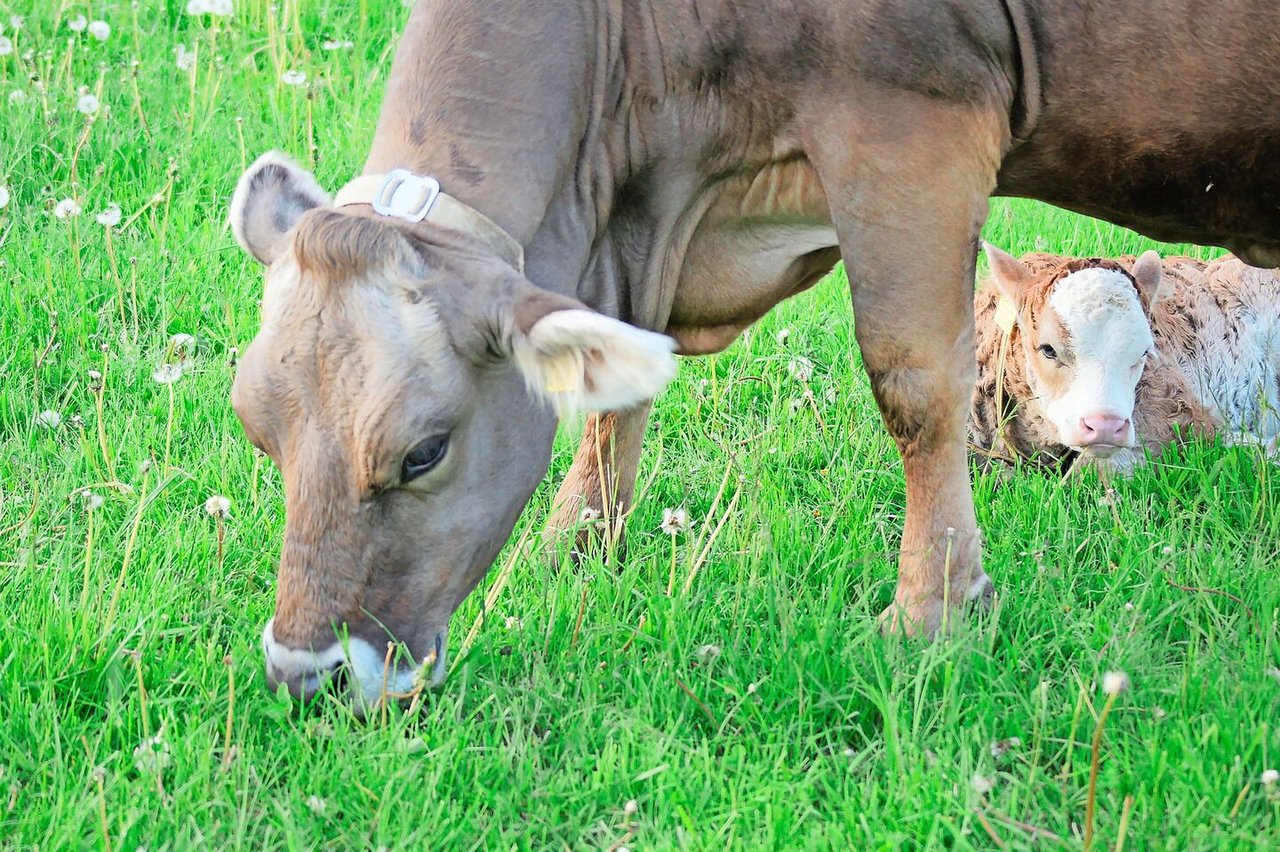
(1147, 271)
(271, 196)
(1010, 274)
(581, 360)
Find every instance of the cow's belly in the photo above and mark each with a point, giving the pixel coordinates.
(764, 239)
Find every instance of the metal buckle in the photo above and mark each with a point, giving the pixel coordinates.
(405, 195)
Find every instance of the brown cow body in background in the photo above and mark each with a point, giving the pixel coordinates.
(682, 167)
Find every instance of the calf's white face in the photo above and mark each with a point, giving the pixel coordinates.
(1085, 337)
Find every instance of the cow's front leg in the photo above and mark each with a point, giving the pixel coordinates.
(596, 493)
(908, 192)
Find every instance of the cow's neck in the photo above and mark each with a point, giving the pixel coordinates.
(490, 99)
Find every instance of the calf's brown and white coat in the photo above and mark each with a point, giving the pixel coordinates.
(1108, 358)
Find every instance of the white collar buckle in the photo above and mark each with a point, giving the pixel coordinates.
(406, 196)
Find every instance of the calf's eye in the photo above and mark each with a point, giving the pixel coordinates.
(1047, 351)
(423, 457)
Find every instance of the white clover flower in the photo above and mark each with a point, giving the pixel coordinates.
(184, 59)
(109, 217)
(217, 506)
(66, 207)
(4, 197)
(293, 77)
(981, 784)
(167, 374)
(77, 24)
(1114, 683)
(17, 97)
(6, 46)
(674, 521)
(48, 419)
(100, 30)
(335, 44)
(88, 104)
(1270, 777)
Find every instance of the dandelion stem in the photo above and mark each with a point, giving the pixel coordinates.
(88, 563)
(231, 711)
(98, 405)
(1095, 757)
(128, 558)
(671, 581)
(102, 814)
(168, 431)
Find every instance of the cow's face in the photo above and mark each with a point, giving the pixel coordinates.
(400, 382)
(1085, 339)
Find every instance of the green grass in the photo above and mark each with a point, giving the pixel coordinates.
(759, 709)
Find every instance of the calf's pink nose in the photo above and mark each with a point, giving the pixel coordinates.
(1104, 429)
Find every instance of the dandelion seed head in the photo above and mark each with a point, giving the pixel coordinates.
(17, 22)
(110, 217)
(801, 369)
(981, 784)
(100, 30)
(17, 97)
(88, 104)
(782, 336)
(48, 419)
(1270, 777)
(675, 521)
(6, 46)
(317, 804)
(1114, 683)
(293, 77)
(336, 44)
(92, 500)
(152, 755)
(4, 197)
(167, 374)
(183, 58)
(513, 622)
(78, 24)
(66, 207)
(217, 506)
(217, 8)
(706, 653)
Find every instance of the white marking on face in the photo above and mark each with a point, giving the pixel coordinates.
(1108, 336)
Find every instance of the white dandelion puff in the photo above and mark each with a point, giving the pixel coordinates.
(66, 207)
(1270, 777)
(48, 419)
(1114, 683)
(4, 197)
(100, 30)
(782, 336)
(981, 784)
(630, 807)
(217, 506)
(183, 58)
(336, 44)
(16, 21)
(110, 217)
(17, 97)
(801, 369)
(88, 104)
(317, 804)
(674, 521)
(6, 46)
(293, 77)
(92, 500)
(78, 24)
(152, 755)
(167, 374)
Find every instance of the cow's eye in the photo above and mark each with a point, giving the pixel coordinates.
(423, 457)
(1047, 351)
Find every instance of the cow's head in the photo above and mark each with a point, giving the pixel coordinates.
(1085, 337)
(403, 381)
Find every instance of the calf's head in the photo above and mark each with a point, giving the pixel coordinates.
(403, 381)
(1084, 335)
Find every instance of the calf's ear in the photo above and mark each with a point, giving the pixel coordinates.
(581, 360)
(270, 197)
(1010, 275)
(1147, 271)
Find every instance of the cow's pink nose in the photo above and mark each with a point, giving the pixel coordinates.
(1105, 429)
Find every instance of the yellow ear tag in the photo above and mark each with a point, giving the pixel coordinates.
(1006, 314)
(561, 376)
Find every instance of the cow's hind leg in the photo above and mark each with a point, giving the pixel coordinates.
(908, 197)
(596, 493)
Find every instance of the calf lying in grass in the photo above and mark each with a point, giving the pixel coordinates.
(1102, 359)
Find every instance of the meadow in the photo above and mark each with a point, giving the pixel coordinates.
(754, 705)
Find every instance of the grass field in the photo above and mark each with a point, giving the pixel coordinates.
(759, 707)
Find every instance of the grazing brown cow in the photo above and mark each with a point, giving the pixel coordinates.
(616, 171)
(1085, 358)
